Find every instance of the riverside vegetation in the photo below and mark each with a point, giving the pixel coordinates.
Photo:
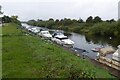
(92, 26)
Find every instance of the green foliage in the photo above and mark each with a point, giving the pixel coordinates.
(50, 24)
(77, 29)
(67, 22)
(97, 19)
(13, 19)
(57, 24)
(32, 22)
(112, 20)
(80, 21)
(89, 19)
(65, 28)
(92, 26)
(6, 19)
(40, 23)
(1, 9)
(105, 29)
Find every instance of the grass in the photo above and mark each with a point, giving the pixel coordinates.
(27, 56)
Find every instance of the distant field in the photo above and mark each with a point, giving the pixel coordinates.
(26, 56)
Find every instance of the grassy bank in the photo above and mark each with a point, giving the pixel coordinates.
(26, 56)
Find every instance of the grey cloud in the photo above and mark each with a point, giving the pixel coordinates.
(57, 9)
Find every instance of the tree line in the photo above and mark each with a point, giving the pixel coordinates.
(13, 19)
(92, 26)
(0, 10)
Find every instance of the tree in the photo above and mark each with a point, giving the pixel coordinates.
(6, 19)
(41, 23)
(0, 10)
(14, 19)
(97, 19)
(57, 20)
(67, 22)
(51, 19)
(0, 14)
(32, 22)
(39, 20)
(80, 21)
(112, 20)
(74, 21)
(50, 23)
(61, 22)
(89, 19)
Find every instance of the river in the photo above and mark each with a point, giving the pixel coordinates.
(82, 43)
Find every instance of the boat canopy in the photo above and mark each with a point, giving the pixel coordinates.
(107, 50)
(116, 56)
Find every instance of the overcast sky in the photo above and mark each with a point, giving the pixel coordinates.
(58, 9)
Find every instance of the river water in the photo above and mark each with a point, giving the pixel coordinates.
(82, 43)
(89, 42)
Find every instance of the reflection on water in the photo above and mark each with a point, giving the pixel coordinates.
(90, 42)
(103, 40)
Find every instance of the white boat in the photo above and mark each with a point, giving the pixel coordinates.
(45, 34)
(107, 50)
(62, 40)
(57, 33)
(34, 30)
(96, 49)
(116, 55)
